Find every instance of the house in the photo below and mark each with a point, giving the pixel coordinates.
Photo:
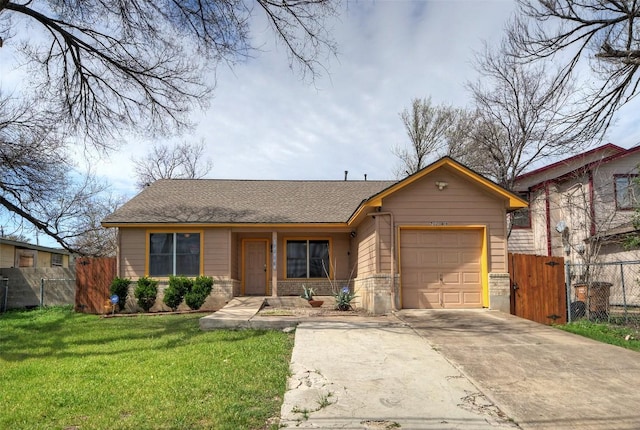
(34, 275)
(580, 207)
(20, 254)
(436, 239)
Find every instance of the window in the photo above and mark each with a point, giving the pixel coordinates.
(56, 259)
(627, 191)
(522, 217)
(307, 258)
(174, 254)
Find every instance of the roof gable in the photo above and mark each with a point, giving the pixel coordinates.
(569, 165)
(514, 202)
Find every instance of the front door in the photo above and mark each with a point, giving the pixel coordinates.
(254, 274)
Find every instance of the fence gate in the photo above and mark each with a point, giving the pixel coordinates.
(93, 278)
(538, 288)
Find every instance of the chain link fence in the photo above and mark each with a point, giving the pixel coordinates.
(55, 292)
(604, 291)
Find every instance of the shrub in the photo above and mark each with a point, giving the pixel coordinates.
(146, 292)
(343, 299)
(199, 292)
(120, 287)
(175, 292)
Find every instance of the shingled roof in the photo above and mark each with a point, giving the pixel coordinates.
(215, 201)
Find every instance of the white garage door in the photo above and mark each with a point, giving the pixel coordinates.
(441, 268)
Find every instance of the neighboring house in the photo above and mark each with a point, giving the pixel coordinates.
(580, 208)
(436, 239)
(36, 275)
(22, 255)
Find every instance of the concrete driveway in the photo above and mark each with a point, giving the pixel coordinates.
(358, 374)
(541, 377)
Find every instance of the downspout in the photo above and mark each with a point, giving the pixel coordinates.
(118, 253)
(548, 216)
(393, 254)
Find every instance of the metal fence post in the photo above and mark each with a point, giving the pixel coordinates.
(41, 292)
(624, 294)
(567, 283)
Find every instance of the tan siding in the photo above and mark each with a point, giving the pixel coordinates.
(521, 241)
(461, 203)
(607, 216)
(44, 259)
(384, 243)
(366, 248)
(235, 256)
(132, 252)
(7, 255)
(217, 252)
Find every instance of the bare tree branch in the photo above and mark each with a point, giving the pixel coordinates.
(602, 34)
(182, 161)
(96, 70)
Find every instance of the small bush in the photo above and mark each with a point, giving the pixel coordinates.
(175, 292)
(146, 292)
(199, 292)
(120, 287)
(343, 299)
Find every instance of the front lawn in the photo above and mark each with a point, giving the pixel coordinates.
(625, 337)
(62, 370)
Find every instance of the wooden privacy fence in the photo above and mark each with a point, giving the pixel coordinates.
(538, 291)
(93, 278)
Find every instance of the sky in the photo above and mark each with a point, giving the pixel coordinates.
(264, 122)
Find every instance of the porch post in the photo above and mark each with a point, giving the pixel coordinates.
(274, 264)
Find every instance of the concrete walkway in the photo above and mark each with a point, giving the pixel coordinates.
(359, 375)
(236, 314)
(540, 376)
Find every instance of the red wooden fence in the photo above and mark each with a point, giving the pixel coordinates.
(93, 278)
(537, 288)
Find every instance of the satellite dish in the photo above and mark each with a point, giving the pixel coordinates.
(561, 227)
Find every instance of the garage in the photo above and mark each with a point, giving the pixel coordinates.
(441, 268)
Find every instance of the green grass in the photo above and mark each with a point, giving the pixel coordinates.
(62, 370)
(606, 333)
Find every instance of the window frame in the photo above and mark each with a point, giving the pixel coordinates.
(307, 239)
(55, 256)
(525, 195)
(632, 182)
(175, 254)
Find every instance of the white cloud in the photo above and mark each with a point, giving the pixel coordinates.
(266, 124)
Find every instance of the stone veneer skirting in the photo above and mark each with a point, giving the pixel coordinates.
(500, 292)
(375, 293)
(321, 287)
(222, 292)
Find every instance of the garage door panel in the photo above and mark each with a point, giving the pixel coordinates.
(441, 268)
(451, 298)
(450, 257)
(472, 297)
(471, 278)
(428, 258)
(429, 300)
(451, 278)
(427, 278)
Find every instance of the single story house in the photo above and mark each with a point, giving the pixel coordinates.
(18, 254)
(33, 275)
(436, 239)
